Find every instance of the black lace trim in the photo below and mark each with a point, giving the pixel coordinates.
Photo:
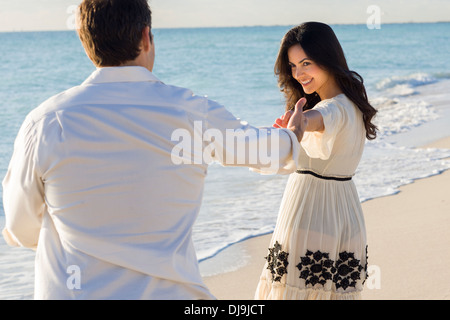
(277, 261)
(318, 268)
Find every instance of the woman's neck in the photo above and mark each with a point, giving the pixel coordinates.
(329, 90)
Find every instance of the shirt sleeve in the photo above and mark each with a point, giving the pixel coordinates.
(233, 142)
(320, 144)
(23, 193)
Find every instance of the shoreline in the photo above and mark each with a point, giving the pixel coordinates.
(407, 246)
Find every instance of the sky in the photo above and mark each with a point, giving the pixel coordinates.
(32, 15)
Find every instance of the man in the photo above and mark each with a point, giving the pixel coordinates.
(94, 184)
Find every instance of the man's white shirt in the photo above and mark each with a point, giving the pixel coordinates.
(94, 186)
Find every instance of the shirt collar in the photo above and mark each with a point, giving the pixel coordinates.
(120, 74)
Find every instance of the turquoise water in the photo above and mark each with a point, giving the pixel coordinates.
(234, 66)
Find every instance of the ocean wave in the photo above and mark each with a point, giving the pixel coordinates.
(385, 167)
(404, 102)
(442, 75)
(401, 115)
(410, 81)
(403, 86)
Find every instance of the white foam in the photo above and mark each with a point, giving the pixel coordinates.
(412, 80)
(385, 167)
(416, 120)
(401, 115)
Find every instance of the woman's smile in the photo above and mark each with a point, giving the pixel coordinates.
(306, 82)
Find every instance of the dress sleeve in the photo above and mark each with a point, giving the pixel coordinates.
(320, 144)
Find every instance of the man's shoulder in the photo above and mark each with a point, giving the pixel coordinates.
(138, 93)
(180, 93)
(54, 104)
(182, 98)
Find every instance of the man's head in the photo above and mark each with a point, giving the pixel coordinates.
(117, 32)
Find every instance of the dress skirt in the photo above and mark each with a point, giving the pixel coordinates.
(319, 248)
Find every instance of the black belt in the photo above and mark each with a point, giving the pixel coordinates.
(324, 177)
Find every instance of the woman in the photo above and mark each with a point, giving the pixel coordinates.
(318, 249)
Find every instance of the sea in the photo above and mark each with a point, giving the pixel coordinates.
(407, 76)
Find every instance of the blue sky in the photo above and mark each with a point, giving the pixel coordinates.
(24, 15)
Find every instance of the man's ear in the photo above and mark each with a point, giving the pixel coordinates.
(146, 41)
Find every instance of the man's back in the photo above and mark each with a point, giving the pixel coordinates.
(115, 201)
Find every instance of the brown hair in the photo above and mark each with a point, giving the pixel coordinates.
(322, 46)
(111, 30)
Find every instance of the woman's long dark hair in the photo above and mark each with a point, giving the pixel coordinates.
(321, 45)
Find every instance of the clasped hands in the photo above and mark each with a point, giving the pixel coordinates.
(294, 120)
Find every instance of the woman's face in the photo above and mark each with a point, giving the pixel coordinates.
(312, 77)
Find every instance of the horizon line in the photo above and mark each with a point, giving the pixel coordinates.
(230, 27)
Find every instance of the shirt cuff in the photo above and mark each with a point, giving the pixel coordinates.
(289, 151)
(9, 238)
(291, 164)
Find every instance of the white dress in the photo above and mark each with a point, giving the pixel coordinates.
(318, 249)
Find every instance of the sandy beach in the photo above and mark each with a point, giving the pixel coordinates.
(408, 246)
